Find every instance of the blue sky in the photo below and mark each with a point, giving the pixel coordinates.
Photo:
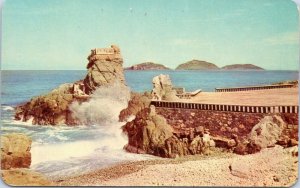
(58, 34)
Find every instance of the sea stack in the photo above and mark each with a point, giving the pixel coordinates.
(105, 67)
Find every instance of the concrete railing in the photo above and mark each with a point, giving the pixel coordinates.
(235, 89)
(227, 108)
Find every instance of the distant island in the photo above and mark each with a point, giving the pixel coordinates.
(242, 67)
(148, 66)
(197, 65)
(193, 65)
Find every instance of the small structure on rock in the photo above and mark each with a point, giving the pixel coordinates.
(107, 54)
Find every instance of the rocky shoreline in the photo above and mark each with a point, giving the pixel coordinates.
(180, 134)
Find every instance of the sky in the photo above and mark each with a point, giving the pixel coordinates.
(59, 34)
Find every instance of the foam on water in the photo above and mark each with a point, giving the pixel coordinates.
(62, 150)
(7, 108)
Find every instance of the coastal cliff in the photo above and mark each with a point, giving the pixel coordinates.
(148, 66)
(104, 68)
(197, 65)
(242, 67)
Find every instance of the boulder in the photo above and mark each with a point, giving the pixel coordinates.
(162, 88)
(15, 151)
(150, 133)
(266, 133)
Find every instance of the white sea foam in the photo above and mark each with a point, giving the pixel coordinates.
(7, 108)
(104, 146)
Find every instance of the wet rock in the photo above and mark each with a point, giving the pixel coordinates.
(137, 103)
(104, 68)
(150, 133)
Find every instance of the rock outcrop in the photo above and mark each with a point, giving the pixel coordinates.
(242, 67)
(150, 133)
(49, 109)
(15, 151)
(104, 68)
(137, 103)
(147, 66)
(268, 132)
(163, 88)
(15, 158)
(197, 65)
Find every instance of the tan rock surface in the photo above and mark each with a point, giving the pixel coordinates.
(15, 151)
(53, 107)
(24, 177)
(163, 88)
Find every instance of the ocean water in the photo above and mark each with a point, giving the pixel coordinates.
(62, 150)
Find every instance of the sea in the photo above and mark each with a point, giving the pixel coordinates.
(67, 151)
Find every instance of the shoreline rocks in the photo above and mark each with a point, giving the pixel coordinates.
(15, 161)
(150, 133)
(15, 151)
(163, 88)
(104, 68)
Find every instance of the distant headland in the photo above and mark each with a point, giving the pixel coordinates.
(194, 65)
(197, 65)
(242, 67)
(147, 66)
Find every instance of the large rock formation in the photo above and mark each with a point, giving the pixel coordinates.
(15, 151)
(104, 68)
(150, 133)
(49, 109)
(163, 88)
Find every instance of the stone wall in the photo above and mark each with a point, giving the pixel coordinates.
(229, 125)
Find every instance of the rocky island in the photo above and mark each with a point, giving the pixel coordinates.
(242, 67)
(197, 65)
(148, 66)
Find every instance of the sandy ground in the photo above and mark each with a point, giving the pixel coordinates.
(270, 167)
(284, 96)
